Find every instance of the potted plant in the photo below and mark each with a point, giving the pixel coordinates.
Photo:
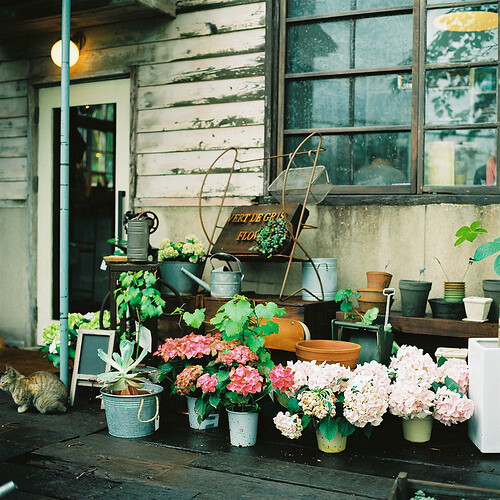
(422, 390)
(272, 238)
(376, 340)
(227, 368)
(172, 256)
(131, 403)
(335, 399)
(491, 287)
(138, 298)
(51, 334)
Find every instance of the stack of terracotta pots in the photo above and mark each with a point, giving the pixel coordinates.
(372, 295)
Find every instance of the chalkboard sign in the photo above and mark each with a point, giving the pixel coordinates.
(87, 363)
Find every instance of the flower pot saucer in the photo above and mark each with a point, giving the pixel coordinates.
(475, 320)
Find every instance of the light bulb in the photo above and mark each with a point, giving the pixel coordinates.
(56, 53)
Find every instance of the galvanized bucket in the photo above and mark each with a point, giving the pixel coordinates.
(133, 416)
(137, 240)
(225, 283)
(327, 270)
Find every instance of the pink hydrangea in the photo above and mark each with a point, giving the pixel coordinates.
(240, 354)
(308, 373)
(282, 378)
(245, 380)
(185, 382)
(207, 383)
(457, 370)
(452, 407)
(375, 371)
(413, 365)
(409, 399)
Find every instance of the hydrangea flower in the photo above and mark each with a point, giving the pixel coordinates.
(245, 380)
(289, 425)
(452, 407)
(185, 382)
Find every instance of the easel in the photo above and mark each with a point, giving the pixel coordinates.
(294, 235)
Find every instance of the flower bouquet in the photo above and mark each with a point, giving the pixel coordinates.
(191, 250)
(423, 390)
(334, 398)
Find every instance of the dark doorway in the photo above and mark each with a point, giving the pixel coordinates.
(91, 203)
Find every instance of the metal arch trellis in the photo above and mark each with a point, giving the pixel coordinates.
(294, 235)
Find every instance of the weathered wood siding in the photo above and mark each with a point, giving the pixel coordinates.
(13, 132)
(205, 95)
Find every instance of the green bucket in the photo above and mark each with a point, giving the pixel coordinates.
(133, 416)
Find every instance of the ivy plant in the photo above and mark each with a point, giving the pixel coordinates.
(271, 238)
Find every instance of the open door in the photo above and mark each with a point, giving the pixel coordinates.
(99, 171)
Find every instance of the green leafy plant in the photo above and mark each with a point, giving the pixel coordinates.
(271, 238)
(124, 379)
(470, 233)
(138, 296)
(345, 297)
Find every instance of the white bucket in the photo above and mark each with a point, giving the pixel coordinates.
(242, 428)
(210, 422)
(327, 270)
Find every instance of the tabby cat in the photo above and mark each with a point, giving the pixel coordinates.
(43, 390)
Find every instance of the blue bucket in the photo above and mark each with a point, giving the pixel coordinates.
(133, 416)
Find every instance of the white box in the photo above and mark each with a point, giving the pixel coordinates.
(484, 390)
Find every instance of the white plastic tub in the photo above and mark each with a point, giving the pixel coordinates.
(477, 308)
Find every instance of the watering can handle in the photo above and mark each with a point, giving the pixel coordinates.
(226, 257)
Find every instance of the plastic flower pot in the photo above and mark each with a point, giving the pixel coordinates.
(477, 308)
(242, 428)
(414, 297)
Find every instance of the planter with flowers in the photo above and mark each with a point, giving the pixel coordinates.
(227, 368)
(423, 390)
(334, 398)
(172, 256)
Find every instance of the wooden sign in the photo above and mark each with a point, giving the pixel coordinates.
(87, 363)
(238, 234)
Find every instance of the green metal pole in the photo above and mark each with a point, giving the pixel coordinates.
(64, 191)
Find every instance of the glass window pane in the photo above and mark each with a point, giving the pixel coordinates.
(374, 48)
(296, 8)
(460, 157)
(318, 47)
(451, 36)
(317, 104)
(382, 100)
(460, 96)
(362, 159)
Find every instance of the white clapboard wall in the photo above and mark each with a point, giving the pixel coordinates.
(199, 89)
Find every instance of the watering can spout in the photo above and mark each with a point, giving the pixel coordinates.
(195, 278)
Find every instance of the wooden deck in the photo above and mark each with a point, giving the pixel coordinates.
(72, 456)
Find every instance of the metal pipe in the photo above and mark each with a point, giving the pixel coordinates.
(64, 192)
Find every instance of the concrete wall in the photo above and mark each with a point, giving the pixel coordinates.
(402, 240)
(16, 279)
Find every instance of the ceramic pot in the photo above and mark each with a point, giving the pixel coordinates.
(242, 428)
(418, 430)
(331, 351)
(491, 289)
(210, 422)
(334, 445)
(170, 271)
(477, 308)
(378, 280)
(441, 308)
(414, 297)
(454, 291)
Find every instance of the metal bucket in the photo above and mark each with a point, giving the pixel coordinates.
(327, 271)
(225, 284)
(137, 240)
(133, 416)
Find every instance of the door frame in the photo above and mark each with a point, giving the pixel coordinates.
(102, 92)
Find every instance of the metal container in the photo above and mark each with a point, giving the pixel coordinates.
(137, 240)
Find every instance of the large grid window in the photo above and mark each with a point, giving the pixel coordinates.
(404, 93)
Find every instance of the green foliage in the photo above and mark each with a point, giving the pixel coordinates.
(195, 319)
(124, 374)
(138, 296)
(469, 233)
(345, 296)
(271, 238)
(420, 495)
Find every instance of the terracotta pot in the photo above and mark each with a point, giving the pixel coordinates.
(372, 295)
(364, 305)
(378, 279)
(331, 351)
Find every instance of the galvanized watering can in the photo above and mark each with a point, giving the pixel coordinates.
(224, 283)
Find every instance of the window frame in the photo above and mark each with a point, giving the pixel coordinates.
(417, 128)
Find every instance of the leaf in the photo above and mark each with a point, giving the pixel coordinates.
(496, 265)
(195, 319)
(441, 361)
(451, 384)
(345, 427)
(305, 421)
(214, 400)
(367, 429)
(487, 249)
(293, 405)
(328, 427)
(255, 343)
(370, 316)
(269, 310)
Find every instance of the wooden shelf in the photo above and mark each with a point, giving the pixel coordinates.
(442, 327)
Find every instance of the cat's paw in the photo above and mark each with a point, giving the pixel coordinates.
(22, 409)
